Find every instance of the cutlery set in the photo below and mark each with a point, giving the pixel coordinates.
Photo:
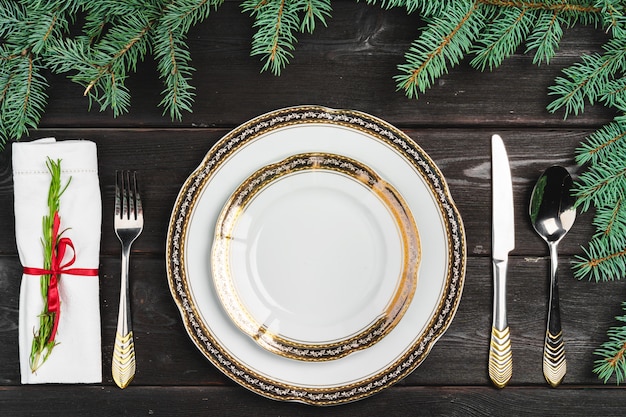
(552, 214)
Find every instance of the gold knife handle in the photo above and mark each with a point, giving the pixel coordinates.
(500, 354)
(500, 357)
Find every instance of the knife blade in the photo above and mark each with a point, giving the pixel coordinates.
(502, 242)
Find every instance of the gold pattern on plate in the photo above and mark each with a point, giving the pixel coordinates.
(199, 329)
(406, 282)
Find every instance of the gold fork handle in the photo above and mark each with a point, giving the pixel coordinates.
(123, 361)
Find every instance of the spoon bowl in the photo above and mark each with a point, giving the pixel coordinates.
(552, 212)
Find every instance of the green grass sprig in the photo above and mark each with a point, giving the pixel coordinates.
(42, 346)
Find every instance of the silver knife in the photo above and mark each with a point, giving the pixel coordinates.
(502, 242)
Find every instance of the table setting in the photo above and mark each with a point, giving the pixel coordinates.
(302, 245)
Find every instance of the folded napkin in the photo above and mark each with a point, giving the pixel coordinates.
(77, 356)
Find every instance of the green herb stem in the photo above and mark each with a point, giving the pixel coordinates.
(42, 345)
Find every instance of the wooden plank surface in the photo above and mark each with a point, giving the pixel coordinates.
(349, 64)
(401, 401)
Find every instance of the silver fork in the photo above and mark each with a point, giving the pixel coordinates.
(128, 225)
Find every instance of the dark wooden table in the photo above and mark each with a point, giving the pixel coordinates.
(350, 65)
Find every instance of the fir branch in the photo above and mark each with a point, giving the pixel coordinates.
(12, 14)
(608, 141)
(313, 11)
(44, 27)
(556, 6)
(181, 15)
(614, 94)
(125, 45)
(545, 37)
(173, 62)
(424, 7)
(23, 97)
(104, 14)
(277, 23)
(116, 36)
(115, 54)
(172, 54)
(601, 185)
(501, 38)
(612, 353)
(445, 41)
(613, 18)
(603, 260)
(610, 223)
(587, 80)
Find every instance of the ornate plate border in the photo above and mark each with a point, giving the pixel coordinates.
(229, 365)
(386, 195)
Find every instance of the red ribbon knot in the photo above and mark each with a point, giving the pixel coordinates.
(60, 246)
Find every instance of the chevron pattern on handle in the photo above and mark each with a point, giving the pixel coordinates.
(554, 364)
(123, 363)
(500, 357)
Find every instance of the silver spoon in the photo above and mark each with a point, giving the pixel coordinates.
(552, 214)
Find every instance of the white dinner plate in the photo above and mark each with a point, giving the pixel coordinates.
(276, 136)
(315, 256)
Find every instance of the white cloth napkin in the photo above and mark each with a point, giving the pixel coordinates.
(77, 357)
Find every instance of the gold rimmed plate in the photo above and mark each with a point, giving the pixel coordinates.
(273, 137)
(315, 257)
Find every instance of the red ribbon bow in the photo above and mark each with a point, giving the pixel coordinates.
(56, 269)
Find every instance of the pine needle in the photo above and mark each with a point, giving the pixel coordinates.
(612, 353)
(444, 42)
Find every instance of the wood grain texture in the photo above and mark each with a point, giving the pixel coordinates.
(349, 64)
(226, 401)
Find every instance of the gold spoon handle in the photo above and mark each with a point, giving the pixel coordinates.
(554, 364)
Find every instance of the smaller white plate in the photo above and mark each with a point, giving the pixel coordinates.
(315, 257)
(273, 137)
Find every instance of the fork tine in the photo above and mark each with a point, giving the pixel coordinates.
(118, 202)
(124, 195)
(131, 186)
(138, 206)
